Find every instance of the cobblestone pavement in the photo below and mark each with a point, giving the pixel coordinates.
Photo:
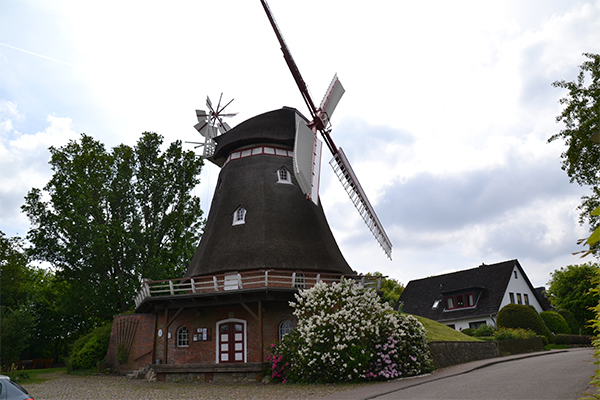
(61, 386)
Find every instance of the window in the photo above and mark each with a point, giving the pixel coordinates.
(475, 325)
(516, 276)
(526, 299)
(183, 337)
(460, 301)
(470, 300)
(519, 298)
(283, 176)
(436, 304)
(299, 280)
(285, 327)
(512, 297)
(239, 216)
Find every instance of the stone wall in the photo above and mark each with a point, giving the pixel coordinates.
(446, 354)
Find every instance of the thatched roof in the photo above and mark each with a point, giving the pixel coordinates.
(282, 229)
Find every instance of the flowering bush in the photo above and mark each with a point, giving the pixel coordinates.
(346, 333)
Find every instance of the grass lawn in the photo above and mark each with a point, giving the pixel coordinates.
(438, 332)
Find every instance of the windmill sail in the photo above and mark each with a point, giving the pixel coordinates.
(307, 161)
(346, 175)
(321, 120)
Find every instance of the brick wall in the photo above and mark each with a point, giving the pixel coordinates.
(142, 346)
(201, 351)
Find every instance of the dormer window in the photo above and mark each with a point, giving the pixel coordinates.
(239, 216)
(283, 176)
(460, 301)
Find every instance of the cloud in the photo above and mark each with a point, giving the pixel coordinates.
(24, 162)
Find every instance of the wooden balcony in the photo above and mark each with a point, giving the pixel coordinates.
(243, 281)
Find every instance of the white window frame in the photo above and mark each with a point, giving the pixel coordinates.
(239, 216)
(183, 337)
(285, 327)
(285, 180)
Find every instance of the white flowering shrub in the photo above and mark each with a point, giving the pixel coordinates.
(346, 333)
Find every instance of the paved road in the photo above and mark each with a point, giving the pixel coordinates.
(544, 375)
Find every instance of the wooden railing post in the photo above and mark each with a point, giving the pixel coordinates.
(293, 279)
(266, 278)
(239, 276)
(171, 288)
(193, 285)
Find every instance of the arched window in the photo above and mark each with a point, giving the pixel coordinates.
(239, 216)
(299, 280)
(183, 337)
(285, 327)
(283, 176)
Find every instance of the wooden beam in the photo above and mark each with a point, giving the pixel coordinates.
(250, 311)
(175, 317)
(260, 331)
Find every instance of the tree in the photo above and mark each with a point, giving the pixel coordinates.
(581, 118)
(569, 289)
(106, 219)
(391, 289)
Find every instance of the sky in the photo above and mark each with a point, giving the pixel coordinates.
(445, 120)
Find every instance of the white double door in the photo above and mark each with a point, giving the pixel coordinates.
(231, 344)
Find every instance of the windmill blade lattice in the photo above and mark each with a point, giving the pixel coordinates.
(321, 121)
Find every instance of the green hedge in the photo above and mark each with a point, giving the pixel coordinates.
(522, 316)
(90, 349)
(573, 339)
(555, 322)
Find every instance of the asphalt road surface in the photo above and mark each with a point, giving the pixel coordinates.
(544, 375)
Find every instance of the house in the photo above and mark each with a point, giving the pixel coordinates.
(263, 241)
(472, 297)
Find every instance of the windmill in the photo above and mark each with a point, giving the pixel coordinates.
(210, 125)
(321, 117)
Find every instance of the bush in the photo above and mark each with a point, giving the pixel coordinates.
(484, 330)
(90, 349)
(571, 321)
(526, 317)
(468, 332)
(514, 333)
(555, 322)
(573, 339)
(349, 327)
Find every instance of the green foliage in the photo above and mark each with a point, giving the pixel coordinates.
(522, 316)
(391, 289)
(484, 330)
(16, 324)
(90, 349)
(581, 119)
(346, 326)
(571, 321)
(106, 219)
(570, 289)
(555, 322)
(573, 339)
(514, 333)
(468, 332)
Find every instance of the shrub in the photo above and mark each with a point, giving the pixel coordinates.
(555, 322)
(568, 316)
(573, 339)
(526, 317)
(514, 333)
(468, 331)
(90, 349)
(349, 327)
(484, 330)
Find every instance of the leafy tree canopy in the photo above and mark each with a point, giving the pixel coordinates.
(106, 219)
(569, 289)
(391, 288)
(581, 119)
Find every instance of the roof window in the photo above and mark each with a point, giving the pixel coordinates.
(239, 216)
(283, 176)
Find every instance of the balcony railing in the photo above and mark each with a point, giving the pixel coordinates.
(245, 280)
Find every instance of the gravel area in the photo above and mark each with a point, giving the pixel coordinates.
(63, 386)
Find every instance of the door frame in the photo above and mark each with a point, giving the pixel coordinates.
(218, 341)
